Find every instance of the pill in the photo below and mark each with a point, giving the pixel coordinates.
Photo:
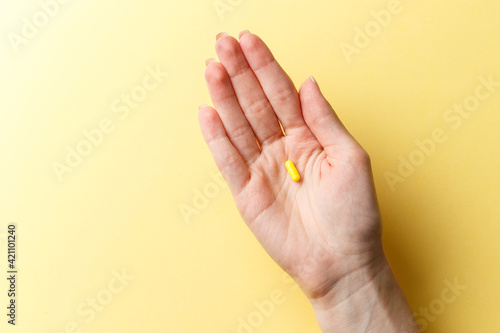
(294, 174)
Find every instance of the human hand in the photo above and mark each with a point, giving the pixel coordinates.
(323, 230)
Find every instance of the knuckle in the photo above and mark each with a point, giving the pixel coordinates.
(240, 133)
(285, 95)
(213, 139)
(256, 106)
(230, 162)
(315, 121)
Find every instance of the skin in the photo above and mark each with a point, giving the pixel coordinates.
(325, 230)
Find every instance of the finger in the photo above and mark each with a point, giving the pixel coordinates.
(322, 119)
(228, 160)
(275, 83)
(238, 130)
(251, 98)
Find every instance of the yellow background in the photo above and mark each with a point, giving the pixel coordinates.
(120, 208)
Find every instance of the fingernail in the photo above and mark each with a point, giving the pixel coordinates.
(242, 33)
(209, 61)
(313, 80)
(201, 106)
(220, 35)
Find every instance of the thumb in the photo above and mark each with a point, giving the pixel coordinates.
(321, 118)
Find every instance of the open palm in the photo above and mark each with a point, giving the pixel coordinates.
(321, 228)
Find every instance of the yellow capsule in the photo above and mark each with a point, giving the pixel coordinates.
(294, 174)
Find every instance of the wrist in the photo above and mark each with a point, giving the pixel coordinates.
(368, 299)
